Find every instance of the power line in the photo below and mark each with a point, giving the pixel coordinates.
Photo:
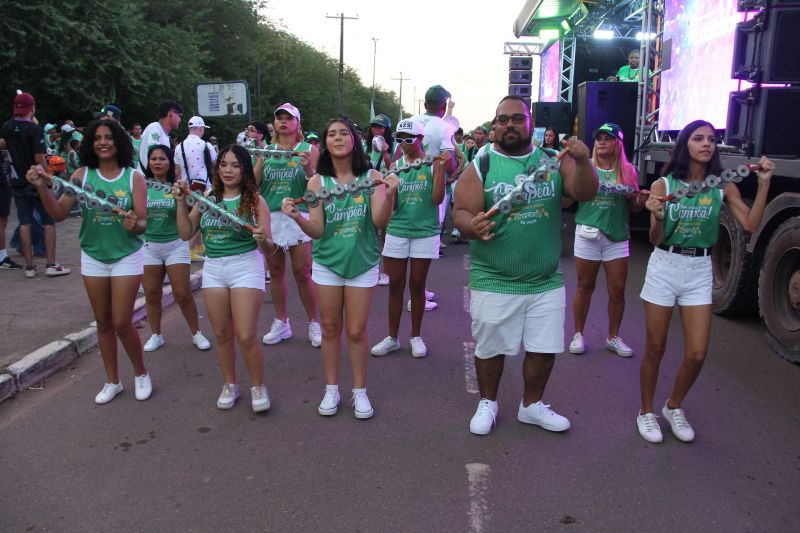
(401, 79)
(341, 18)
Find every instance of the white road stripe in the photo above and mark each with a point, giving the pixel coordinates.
(478, 479)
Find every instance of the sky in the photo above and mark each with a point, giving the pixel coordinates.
(456, 44)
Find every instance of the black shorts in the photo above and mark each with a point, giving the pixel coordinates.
(5, 199)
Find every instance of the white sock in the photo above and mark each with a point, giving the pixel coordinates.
(3, 254)
(332, 387)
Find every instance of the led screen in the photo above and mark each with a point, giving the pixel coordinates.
(699, 80)
(550, 73)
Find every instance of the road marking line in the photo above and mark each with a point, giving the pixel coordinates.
(470, 379)
(478, 479)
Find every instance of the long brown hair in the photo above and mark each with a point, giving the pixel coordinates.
(624, 171)
(248, 205)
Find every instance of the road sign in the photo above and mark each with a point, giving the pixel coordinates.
(222, 98)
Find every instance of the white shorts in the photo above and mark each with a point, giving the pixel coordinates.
(600, 249)
(166, 253)
(130, 265)
(243, 271)
(417, 248)
(285, 231)
(501, 322)
(673, 277)
(322, 275)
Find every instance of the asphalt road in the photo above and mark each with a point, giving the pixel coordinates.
(176, 463)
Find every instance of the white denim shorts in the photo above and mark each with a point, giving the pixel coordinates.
(285, 231)
(501, 322)
(242, 271)
(166, 253)
(322, 275)
(417, 248)
(672, 278)
(600, 249)
(130, 265)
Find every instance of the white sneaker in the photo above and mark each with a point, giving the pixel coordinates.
(677, 420)
(540, 414)
(429, 305)
(649, 428)
(383, 279)
(279, 331)
(484, 417)
(259, 398)
(418, 348)
(389, 344)
(330, 402)
(56, 270)
(362, 408)
(577, 346)
(200, 341)
(110, 390)
(143, 387)
(430, 295)
(228, 396)
(615, 344)
(315, 334)
(155, 342)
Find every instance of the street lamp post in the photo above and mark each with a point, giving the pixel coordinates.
(374, 55)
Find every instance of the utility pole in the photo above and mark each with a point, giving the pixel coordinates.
(341, 18)
(374, 55)
(401, 79)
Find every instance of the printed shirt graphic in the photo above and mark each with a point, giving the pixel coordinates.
(152, 134)
(349, 244)
(416, 215)
(162, 225)
(607, 212)
(102, 235)
(692, 222)
(284, 178)
(220, 239)
(523, 257)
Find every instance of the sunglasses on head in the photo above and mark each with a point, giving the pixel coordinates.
(516, 118)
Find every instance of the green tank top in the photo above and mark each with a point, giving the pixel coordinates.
(162, 225)
(523, 257)
(70, 167)
(376, 158)
(102, 235)
(692, 222)
(349, 244)
(607, 212)
(415, 215)
(221, 240)
(284, 178)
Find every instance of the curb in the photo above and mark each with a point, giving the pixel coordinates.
(50, 358)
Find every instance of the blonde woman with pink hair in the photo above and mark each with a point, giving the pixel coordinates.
(601, 237)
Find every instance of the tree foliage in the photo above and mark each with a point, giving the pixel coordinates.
(76, 55)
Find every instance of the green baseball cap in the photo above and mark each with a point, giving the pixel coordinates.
(381, 120)
(437, 95)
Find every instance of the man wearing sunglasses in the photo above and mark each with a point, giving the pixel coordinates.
(169, 118)
(517, 289)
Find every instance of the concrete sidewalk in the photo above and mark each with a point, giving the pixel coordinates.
(47, 322)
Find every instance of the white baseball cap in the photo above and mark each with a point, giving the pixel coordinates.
(289, 108)
(410, 126)
(66, 128)
(197, 122)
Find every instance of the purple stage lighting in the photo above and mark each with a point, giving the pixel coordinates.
(551, 73)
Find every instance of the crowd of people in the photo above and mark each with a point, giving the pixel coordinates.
(339, 203)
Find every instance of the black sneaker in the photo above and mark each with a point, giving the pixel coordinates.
(9, 264)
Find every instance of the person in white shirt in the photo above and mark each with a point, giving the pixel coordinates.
(169, 118)
(194, 156)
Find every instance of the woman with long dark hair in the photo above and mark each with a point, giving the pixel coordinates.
(551, 139)
(233, 272)
(601, 237)
(346, 256)
(379, 142)
(111, 246)
(165, 250)
(679, 269)
(279, 177)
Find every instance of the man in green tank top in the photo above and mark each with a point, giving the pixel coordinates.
(517, 288)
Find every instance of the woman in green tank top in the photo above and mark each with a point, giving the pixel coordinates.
(277, 179)
(109, 240)
(683, 233)
(165, 251)
(347, 247)
(601, 238)
(233, 273)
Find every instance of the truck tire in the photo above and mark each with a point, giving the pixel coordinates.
(779, 290)
(735, 270)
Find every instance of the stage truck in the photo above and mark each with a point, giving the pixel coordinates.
(731, 62)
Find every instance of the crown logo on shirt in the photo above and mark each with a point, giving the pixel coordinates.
(359, 199)
(705, 200)
(119, 193)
